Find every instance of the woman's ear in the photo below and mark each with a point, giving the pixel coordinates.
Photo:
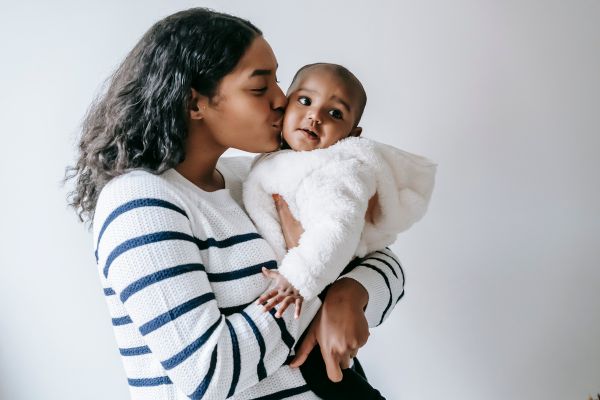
(356, 131)
(197, 105)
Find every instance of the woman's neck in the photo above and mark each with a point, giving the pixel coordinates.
(199, 166)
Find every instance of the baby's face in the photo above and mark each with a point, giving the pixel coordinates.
(321, 110)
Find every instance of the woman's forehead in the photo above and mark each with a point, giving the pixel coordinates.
(259, 60)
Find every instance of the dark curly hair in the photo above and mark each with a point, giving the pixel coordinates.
(140, 119)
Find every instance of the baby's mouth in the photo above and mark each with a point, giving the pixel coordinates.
(312, 134)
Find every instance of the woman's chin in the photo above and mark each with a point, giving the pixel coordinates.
(263, 148)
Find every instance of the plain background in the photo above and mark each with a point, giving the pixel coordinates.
(502, 298)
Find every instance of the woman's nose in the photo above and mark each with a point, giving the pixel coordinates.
(279, 100)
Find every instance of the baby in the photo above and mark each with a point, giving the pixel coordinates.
(351, 195)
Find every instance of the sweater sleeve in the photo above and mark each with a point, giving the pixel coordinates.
(382, 276)
(148, 255)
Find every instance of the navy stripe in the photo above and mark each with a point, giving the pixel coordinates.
(386, 263)
(190, 349)
(285, 335)
(399, 297)
(108, 292)
(210, 242)
(235, 350)
(395, 260)
(143, 382)
(121, 321)
(135, 351)
(174, 235)
(241, 273)
(130, 206)
(260, 368)
(284, 394)
(143, 240)
(201, 390)
(399, 266)
(175, 313)
(387, 282)
(157, 277)
(234, 309)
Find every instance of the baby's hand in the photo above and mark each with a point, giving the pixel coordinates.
(281, 293)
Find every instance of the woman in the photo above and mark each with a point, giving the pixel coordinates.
(178, 257)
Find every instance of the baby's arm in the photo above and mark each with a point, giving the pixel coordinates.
(331, 204)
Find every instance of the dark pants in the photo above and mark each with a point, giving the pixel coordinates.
(353, 385)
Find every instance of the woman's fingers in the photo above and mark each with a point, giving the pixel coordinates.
(309, 342)
(334, 372)
(298, 308)
(291, 228)
(345, 362)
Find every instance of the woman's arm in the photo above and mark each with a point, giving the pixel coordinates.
(148, 255)
(381, 274)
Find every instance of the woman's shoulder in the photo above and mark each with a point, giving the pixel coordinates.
(133, 186)
(136, 183)
(237, 167)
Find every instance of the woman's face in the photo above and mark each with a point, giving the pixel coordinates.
(247, 111)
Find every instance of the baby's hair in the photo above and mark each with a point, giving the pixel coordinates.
(347, 77)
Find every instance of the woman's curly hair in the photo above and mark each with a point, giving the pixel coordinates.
(140, 120)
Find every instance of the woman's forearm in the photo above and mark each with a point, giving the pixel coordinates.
(381, 275)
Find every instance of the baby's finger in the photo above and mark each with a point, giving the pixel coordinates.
(266, 296)
(269, 305)
(284, 305)
(269, 273)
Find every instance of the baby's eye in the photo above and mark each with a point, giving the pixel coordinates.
(305, 101)
(335, 113)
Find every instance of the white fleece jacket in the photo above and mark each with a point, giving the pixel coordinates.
(328, 191)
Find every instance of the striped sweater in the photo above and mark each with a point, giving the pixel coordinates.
(181, 268)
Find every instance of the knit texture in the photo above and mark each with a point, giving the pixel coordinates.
(181, 268)
(328, 191)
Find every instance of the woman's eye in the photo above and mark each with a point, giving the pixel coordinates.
(260, 90)
(304, 100)
(337, 114)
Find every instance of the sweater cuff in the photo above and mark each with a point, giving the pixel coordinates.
(377, 289)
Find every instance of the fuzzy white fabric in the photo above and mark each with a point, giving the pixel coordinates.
(328, 191)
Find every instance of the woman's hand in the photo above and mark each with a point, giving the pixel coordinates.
(373, 210)
(340, 328)
(291, 228)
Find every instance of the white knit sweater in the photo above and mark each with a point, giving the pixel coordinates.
(328, 191)
(181, 269)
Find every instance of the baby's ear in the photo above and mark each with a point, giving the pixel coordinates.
(356, 131)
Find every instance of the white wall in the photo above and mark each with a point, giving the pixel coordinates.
(502, 274)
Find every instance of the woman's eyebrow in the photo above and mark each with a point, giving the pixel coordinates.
(262, 72)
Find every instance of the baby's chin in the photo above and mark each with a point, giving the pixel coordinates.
(297, 140)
